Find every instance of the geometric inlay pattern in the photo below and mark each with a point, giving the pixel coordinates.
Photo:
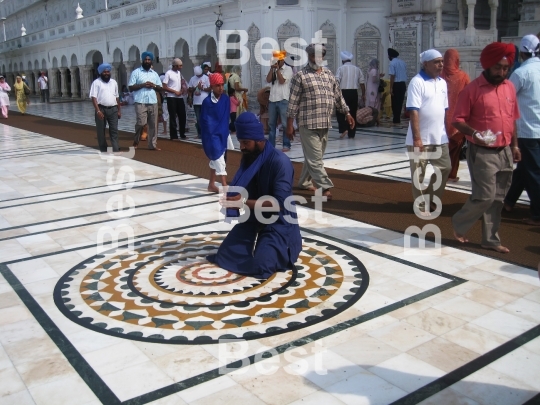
(165, 291)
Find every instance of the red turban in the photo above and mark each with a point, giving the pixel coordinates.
(216, 78)
(495, 52)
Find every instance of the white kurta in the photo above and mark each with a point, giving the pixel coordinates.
(4, 97)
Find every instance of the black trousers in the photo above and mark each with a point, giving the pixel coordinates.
(44, 95)
(351, 99)
(110, 116)
(232, 127)
(176, 108)
(399, 89)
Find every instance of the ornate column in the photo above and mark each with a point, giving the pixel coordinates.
(129, 69)
(53, 83)
(461, 18)
(74, 82)
(470, 22)
(493, 4)
(63, 82)
(115, 74)
(438, 8)
(86, 79)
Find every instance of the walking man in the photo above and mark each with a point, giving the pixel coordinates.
(486, 112)
(526, 80)
(172, 84)
(349, 78)
(398, 87)
(215, 135)
(279, 76)
(314, 93)
(43, 82)
(104, 95)
(199, 88)
(144, 82)
(427, 142)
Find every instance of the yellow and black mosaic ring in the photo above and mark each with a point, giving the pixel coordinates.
(165, 291)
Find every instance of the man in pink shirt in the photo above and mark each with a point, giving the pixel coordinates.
(486, 112)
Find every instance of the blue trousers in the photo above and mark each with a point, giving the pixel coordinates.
(239, 253)
(276, 108)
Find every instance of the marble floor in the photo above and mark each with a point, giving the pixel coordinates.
(376, 152)
(105, 296)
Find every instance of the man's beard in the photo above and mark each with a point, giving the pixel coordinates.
(249, 157)
(495, 80)
(146, 66)
(105, 78)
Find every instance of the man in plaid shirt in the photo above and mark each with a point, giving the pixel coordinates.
(313, 94)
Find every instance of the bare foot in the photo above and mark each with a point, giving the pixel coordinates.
(327, 194)
(508, 207)
(311, 188)
(500, 249)
(530, 221)
(454, 180)
(343, 135)
(460, 238)
(213, 189)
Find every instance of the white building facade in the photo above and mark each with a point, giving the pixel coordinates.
(70, 38)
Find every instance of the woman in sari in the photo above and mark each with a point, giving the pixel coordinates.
(22, 99)
(4, 97)
(456, 80)
(373, 98)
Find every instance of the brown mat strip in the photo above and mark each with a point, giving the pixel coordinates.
(380, 202)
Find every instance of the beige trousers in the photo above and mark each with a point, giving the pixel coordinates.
(418, 172)
(491, 176)
(314, 144)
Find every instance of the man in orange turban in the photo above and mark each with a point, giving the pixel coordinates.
(279, 77)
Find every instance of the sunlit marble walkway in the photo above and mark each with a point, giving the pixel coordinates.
(375, 151)
(361, 320)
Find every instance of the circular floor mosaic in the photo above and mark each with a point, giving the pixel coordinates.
(167, 292)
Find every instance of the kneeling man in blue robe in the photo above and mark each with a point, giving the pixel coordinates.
(259, 247)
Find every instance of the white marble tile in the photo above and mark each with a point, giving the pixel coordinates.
(365, 389)
(62, 392)
(402, 335)
(407, 372)
(142, 377)
(522, 365)
(504, 323)
(490, 387)
(207, 388)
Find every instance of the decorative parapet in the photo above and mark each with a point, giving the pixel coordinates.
(460, 38)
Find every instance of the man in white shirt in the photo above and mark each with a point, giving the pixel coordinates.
(279, 78)
(199, 88)
(43, 82)
(104, 95)
(350, 78)
(427, 142)
(172, 84)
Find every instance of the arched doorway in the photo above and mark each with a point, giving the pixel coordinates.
(181, 50)
(97, 59)
(158, 66)
(120, 69)
(207, 49)
(134, 56)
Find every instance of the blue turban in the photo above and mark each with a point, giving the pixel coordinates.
(103, 67)
(145, 54)
(248, 127)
